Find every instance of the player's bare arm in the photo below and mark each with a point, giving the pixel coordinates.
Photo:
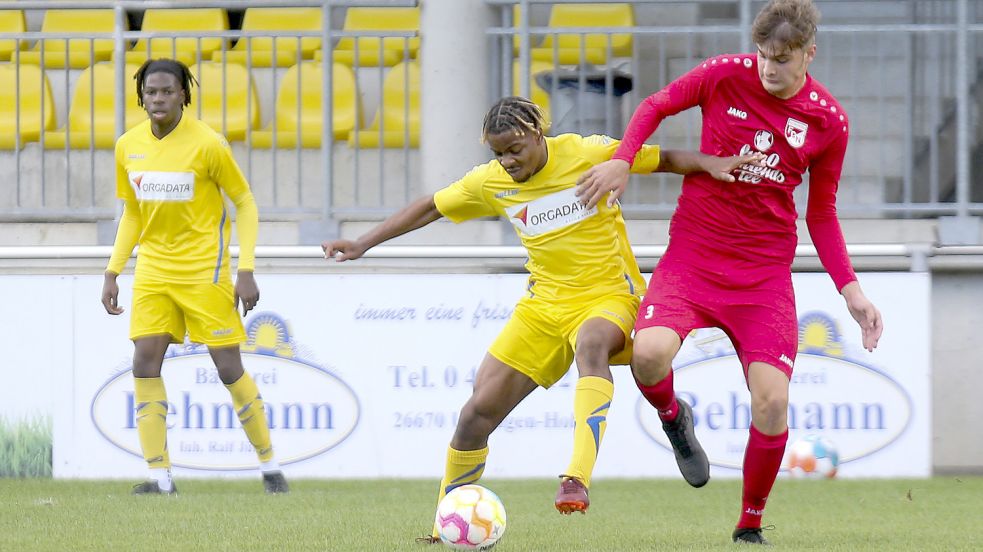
(417, 214)
(865, 313)
(611, 177)
(110, 294)
(720, 168)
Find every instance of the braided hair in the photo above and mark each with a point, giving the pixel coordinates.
(515, 114)
(164, 65)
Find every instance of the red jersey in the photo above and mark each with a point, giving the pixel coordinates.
(751, 222)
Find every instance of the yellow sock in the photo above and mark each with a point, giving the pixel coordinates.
(591, 401)
(463, 467)
(252, 415)
(151, 413)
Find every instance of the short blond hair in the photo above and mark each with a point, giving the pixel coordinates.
(789, 24)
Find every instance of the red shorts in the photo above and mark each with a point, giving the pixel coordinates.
(758, 314)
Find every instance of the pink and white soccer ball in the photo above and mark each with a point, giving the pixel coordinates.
(470, 517)
(813, 456)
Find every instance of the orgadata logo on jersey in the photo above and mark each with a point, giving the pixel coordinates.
(309, 409)
(859, 407)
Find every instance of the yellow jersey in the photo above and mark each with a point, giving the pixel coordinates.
(184, 223)
(572, 250)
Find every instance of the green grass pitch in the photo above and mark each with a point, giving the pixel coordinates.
(942, 513)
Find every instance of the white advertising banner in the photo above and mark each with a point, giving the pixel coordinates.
(364, 376)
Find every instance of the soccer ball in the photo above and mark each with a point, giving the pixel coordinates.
(470, 518)
(813, 456)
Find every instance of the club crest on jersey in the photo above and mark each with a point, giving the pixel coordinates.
(548, 213)
(795, 132)
(763, 140)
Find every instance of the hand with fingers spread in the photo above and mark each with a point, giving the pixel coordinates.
(342, 250)
(865, 313)
(246, 291)
(609, 178)
(110, 294)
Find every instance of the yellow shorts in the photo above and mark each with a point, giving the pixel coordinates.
(540, 338)
(204, 311)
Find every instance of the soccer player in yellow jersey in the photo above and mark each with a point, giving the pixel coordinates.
(171, 173)
(584, 285)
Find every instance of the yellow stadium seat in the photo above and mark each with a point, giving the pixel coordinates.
(393, 49)
(516, 21)
(537, 94)
(595, 45)
(308, 94)
(25, 93)
(259, 50)
(80, 52)
(167, 20)
(92, 114)
(227, 99)
(11, 21)
(399, 115)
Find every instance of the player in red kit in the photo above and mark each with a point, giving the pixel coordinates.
(731, 244)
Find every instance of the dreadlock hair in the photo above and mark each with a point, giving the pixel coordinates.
(515, 114)
(164, 65)
(788, 23)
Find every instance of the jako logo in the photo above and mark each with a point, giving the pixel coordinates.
(309, 409)
(860, 408)
(734, 112)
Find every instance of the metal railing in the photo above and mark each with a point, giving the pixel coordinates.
(294, 175)
(907, 71)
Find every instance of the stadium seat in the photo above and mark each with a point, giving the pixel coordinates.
(186, 49)
(259, 50)
(11, 21)
(226, 99)
(595, 45)
(393, 49)
(92, 113)
(537, 94)
(397, 122)
(308, 102)
(25, 93)
(80, 52)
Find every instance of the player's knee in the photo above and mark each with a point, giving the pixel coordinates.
(146, 365)
(651, 363)
(592, 358)
(770, 408)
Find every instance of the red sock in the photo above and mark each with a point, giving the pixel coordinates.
(762, 459)
(662, 397)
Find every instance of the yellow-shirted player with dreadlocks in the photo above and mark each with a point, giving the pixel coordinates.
(171, 173)
(583, 289)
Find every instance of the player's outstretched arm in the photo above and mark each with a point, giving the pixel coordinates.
(685, 162)
(865, 313)
(418, 214)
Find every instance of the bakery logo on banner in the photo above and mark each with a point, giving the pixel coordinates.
(859, 407)
(310, 409)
